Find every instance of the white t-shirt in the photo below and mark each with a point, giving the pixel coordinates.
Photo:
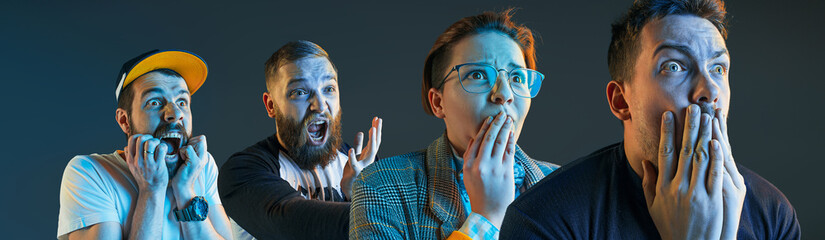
(100, 188)
(321, 183)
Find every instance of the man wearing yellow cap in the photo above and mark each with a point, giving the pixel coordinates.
(162, 185)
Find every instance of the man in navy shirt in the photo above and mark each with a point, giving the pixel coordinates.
(674, 175)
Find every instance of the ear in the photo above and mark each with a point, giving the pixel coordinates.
(122, 120)
(435, 102)
(617, 101)
(269, 104)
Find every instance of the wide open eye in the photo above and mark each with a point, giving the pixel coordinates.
(718, 69)
(476, 75)
(671, 66)
(153, 103)
(297, 93)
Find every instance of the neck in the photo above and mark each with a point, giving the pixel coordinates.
(635, 154)
(459, 148)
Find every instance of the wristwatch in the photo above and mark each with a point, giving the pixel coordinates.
(196, 211)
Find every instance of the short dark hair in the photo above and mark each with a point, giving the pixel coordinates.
(127, 95)
(625, 42)
(289, 53)
(434, 66)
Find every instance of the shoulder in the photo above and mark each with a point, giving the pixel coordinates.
(263, 154)
(759, 187)
(583, 168)
(392, 169)
(92, 164)
(766, 207)
(545, 167)
(572, 181)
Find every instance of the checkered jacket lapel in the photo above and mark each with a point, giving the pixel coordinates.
(443, 200)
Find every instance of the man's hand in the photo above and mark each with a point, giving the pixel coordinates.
(194, 157)
(488, 168)
(364, 158)
(686, 197)
(733, 187)
(145, 158)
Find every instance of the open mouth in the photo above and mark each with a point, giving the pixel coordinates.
(317, 132)
(173, 142)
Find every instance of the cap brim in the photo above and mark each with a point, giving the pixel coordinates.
(190, 66)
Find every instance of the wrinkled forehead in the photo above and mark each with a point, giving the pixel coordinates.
(491, 47)
(159, 83)
(308, 68)
(699, 35)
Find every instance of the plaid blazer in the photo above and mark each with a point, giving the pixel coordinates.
(416, 196)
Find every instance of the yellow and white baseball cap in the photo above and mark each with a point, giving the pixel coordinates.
(190, 66)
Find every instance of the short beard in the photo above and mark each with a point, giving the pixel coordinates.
(651, 137)
(171, 168)
(295, 138)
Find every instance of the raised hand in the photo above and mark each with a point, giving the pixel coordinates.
(733, 187)
(365, 156)
(194, 157)
(145, 158)
(684, 196)
(488, 168)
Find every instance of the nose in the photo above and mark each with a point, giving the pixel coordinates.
(173, 113)
(318, 103)
(501, 92)
(706, 89)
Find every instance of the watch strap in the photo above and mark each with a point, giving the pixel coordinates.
(188, 213)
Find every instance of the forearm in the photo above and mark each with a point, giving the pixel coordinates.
(148, 216)
(274, 209)
(196, 229)
(296, 216)
(199, 230)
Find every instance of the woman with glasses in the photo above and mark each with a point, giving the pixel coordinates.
(479, 77)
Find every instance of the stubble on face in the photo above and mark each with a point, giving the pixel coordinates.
(294, 134)
(651, 132)
(693, 43)
(171, 167)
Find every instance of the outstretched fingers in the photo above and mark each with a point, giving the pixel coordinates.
(717, 170)
(471, 152)
(701, 157)
(490, 138)
(649, 181)
(689, 136)
(359, 143)
(667, 161)
(503, 139)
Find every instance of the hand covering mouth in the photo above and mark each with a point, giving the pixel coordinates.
(317, 131)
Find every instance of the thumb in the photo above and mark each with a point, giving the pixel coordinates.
(649, 180)
(351, 159)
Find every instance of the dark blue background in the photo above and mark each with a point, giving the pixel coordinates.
(59, 61)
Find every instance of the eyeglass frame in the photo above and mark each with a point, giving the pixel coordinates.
(456, 67)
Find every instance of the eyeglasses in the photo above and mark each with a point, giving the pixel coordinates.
(480, 78)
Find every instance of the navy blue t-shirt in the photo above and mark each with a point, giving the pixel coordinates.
(600, 197)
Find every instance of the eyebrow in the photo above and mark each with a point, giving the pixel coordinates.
(514, 66)
(151, 90)
(158, 90)
(325, 77)
(686, 50)
(295, 80)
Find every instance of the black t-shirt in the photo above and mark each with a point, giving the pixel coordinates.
(600, 197)
(266, 205)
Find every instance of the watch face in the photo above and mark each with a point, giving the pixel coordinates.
(200, 207)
